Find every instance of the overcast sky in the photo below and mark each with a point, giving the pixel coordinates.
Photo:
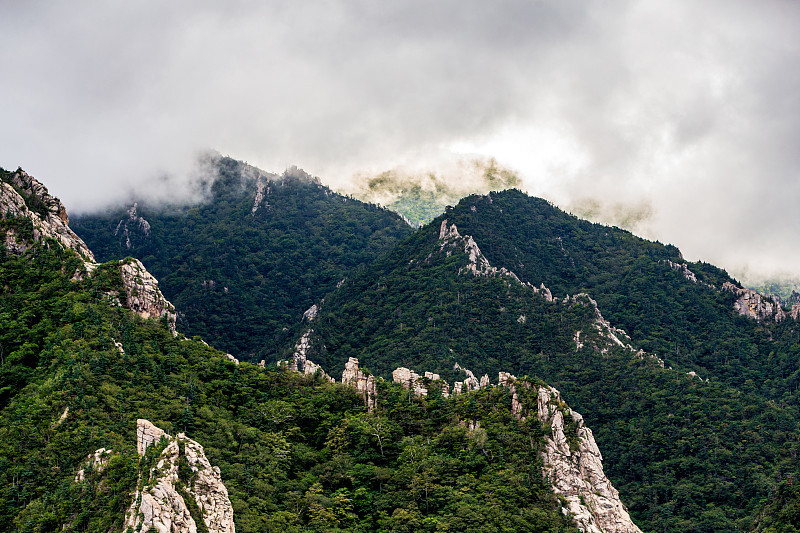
(680, 118)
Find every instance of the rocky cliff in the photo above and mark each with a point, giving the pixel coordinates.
(573, 464)
(364, 383)
(755, 305)
(179, 489)
(142, 295)
(24, 199)
(571, 460)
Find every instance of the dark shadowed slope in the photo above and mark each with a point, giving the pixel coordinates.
(243, 265)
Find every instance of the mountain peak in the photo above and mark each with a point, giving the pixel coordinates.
(24, 197)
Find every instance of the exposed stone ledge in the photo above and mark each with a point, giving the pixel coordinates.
(573, 465)
(159, 504)
(143, 296)
(755, 305)
(51, 221)
(364, 384)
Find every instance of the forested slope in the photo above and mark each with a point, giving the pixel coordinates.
(643, 287)
(296, 453)
(687, 454)
(245, 262)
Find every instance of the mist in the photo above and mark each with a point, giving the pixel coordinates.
(679, 120)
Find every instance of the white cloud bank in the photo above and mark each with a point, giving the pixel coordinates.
(685, 114)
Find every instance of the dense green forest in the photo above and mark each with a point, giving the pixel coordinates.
(714, 450)
(691, 326)
(686, 454)
(296, 453)
(242, 278)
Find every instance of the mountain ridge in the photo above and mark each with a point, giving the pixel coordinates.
(98, 387)
(692, 443)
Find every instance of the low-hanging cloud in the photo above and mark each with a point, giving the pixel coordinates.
(690, 109)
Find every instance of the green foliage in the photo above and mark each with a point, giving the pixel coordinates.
(296, 453)
(691, 326)
(242, 280)
(787, 290)
(782, 515)
(682, 451)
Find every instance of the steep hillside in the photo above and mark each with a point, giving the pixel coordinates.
(110, 419)
(692, 315)
(687, 453)
(243, 265)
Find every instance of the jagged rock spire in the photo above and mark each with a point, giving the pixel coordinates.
(161, 503)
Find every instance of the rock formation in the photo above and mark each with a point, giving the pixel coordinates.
(471, 383)
(134, 221)
(161, 502)
(143, 296)
(571, 459)
(410, 380)
(364, 383)
(300, 362)
(96, 462)
(478, 264)
(22, 196)
(755, 305)
(683, 269)
(573, 463)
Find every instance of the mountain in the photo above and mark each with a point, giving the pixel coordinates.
(112, 420)
(695, 438)
(687, 379)
(243, 263)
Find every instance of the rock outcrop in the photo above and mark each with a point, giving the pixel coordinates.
(143, 296)
(364, 383)
(96, 462)
(572, 462)
(166, 502)
(134, 223)
(300, 362)
(410, 380)
(469, 384)
(478, 264)
(571, 459)
(683, 269)
(755, 305)
(22, 196)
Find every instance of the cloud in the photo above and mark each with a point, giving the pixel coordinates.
(689, 108)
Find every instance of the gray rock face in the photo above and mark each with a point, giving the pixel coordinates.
(469, 384)
(300, 362)
(364, 384)
(410, 380)
(573, 463)
(160, 503)
(48, 215)
(143, 296)
(755, 305)
(133, 222)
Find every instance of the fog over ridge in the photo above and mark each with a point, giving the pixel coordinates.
(680, 120)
